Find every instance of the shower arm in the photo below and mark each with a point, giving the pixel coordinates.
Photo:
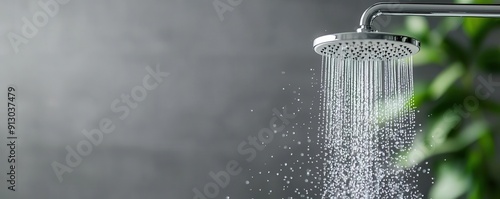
(430, 9)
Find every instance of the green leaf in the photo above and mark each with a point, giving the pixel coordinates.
(451, 181)
(472, 26)
(466, 137)
(479, 28)
(436, 142)
(492, 24)
(489, 60)
(418, 153)
(449, 24)
(491, 106)
(475, 192)
(474, 159)
(439, 131)
(454, 96)
(441, 83)
(417, 25)
(392, 107)
(428, 55)
(420, 93)
(454, 49)
(425, 145)
(486, 141)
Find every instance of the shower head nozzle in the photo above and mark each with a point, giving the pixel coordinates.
(366, 46)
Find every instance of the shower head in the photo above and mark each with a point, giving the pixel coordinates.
(366, 46)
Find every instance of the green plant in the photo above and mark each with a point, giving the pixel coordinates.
(463, 117)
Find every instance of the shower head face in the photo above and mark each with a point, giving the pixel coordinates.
(366, 46)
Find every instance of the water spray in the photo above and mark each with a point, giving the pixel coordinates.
(368, 110)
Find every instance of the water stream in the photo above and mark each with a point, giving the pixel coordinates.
(368, 117)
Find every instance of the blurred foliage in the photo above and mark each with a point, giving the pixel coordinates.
(458, 135)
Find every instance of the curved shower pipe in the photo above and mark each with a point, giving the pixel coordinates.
(426, 9)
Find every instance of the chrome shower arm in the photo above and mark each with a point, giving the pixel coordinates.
(429, 9)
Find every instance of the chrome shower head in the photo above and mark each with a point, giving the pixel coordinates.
(366, 46)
